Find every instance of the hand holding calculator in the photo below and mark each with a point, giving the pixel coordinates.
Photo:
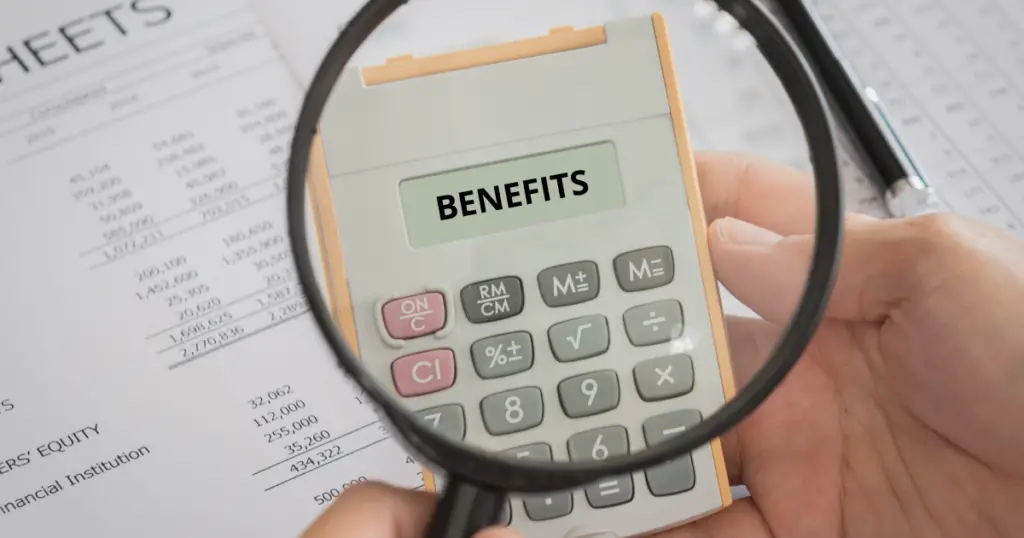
(535, 280)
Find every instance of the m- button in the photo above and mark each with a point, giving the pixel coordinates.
(416, 315)
(644, 269)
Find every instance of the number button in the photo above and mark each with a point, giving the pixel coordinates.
(546, 506)
(580, 338)
(664, 377)
(448, 420)
(599, 445)
(654, 323)
(502, 355)
(512, 411)
(589, 394)
(677, 475)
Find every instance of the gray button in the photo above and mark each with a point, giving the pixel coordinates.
(491, 300)
(535, 452)
(677, 475)
(512, 411)
(505, 517)
(597, 445)
(502, 355)
(579, 338)
(567, 284)
(654, 323)
(448, 420)
(644, 269)
(589, 394)
(664, 377)
(548, 506)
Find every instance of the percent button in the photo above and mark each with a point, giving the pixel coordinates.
(502, 355)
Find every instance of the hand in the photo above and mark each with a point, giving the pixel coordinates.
(371, 510)
(904, 417)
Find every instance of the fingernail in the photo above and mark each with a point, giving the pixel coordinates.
(739, 232)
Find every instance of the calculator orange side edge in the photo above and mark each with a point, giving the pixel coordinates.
(700, 229)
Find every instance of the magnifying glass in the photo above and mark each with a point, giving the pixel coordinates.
(505, 242)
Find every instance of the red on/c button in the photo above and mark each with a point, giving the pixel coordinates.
(415, 315)
(424, 373)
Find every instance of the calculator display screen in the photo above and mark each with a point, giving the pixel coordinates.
(511, 194)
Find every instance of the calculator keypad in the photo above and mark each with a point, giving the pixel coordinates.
(582, 335)
(502, 355)
(424, 373)
(589, 394)
(654, 323)
(569, 284)
(512, 411)
(579, 338)
(662, 378)
(493, 300)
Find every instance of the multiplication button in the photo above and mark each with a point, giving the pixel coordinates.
(492, 300)
(664, 377)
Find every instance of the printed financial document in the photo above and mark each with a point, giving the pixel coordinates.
(160, 374)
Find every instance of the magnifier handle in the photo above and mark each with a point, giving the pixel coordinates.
(465, 509)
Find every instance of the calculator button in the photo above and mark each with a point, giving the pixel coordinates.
(505, 518)
(597, 445)
(413, 316)
(675, 476)
(448, 420)
(579, 338)
(569, 284)
(502, 355)
(535, 452)
(545, 506)
(664, 377)
(644, 269)
(589, 394)
(424, 373)
(512, 411)
(654, 323)
(492, 300)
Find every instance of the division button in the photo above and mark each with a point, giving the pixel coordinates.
(569, 284)
(644, 269)
(424, 373)
(664, 377)
(492, 300)
(654, 323)
(414, 316)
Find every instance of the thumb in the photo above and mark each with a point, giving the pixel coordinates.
(881, 265)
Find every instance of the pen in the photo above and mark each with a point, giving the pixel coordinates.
(905, 189)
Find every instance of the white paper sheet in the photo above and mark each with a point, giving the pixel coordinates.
(160, 375)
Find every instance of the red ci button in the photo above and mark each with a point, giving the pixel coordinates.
(423, 373)
(415, 315)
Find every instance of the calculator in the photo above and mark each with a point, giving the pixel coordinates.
(514, 242)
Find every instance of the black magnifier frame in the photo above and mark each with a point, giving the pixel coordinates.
(487, 471)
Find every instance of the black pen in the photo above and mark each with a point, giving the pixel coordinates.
(904, 187)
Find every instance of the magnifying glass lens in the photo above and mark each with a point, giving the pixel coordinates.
(544, 237)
